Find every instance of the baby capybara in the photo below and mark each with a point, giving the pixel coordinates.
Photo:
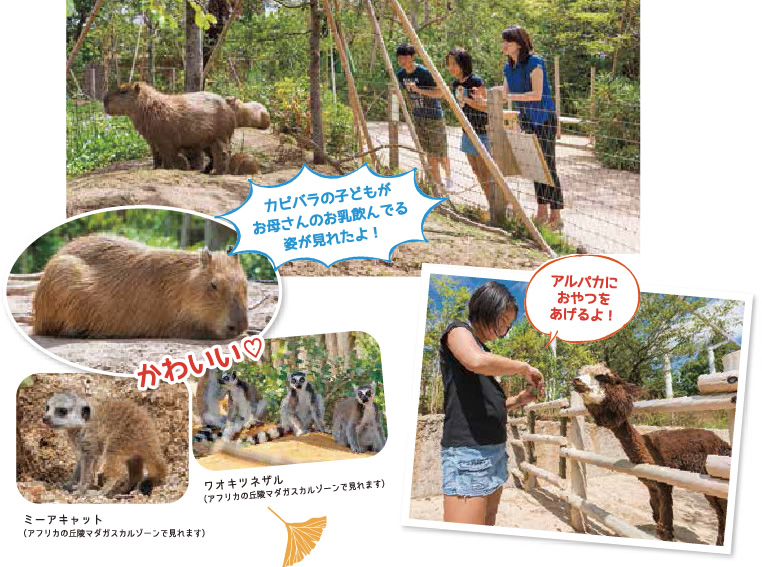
(105, 286)
(175, 125)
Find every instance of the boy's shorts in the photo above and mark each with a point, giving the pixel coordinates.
(433, 136)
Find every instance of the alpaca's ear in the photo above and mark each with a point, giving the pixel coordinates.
(633, 390)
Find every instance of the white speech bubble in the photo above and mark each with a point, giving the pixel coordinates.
(302, 219)
(581, 298)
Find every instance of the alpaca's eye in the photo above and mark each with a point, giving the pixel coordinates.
(603, 379)
(213, 286)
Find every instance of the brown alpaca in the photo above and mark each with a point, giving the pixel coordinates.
(609, 400)
(104, 286)
(176, 126)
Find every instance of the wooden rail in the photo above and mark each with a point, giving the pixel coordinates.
(718, 382)
(553, 404)
(553, 439)
(619, 526)
(687, 403)
(682, 479)
(542, 473)
(718, 466)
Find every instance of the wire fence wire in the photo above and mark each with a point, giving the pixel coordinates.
(601, 203)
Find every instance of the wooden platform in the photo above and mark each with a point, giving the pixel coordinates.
(309, 448)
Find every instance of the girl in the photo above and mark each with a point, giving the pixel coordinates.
(474, 461)
(471, 94)
(526, 85)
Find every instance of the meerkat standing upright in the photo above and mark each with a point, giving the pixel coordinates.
(357, 421)
(302, 406)
(117, 434)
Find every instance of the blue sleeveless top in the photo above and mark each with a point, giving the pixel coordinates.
(519, 81)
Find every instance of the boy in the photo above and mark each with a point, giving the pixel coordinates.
(427, 111)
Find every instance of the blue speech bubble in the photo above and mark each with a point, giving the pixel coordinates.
(357, 216)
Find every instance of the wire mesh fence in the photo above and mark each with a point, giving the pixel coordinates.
(596, 149)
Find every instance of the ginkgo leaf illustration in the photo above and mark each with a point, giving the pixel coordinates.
(302, 538)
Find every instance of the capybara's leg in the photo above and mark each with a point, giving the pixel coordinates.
(210, 165)
(220, 156)
(156, 158)
(57, 310)
(195, 159)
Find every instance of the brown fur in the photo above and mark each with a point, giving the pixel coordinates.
(105, 286)
(243, 164)
(249, 114)
(119, 436)
(684, 449)
(174, 125)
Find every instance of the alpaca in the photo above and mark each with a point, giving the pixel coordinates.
(609, 400)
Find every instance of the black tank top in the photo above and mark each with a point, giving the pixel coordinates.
(475, 411)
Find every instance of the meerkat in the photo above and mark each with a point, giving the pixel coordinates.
(112, 434)
(357, 421)
(302, 407)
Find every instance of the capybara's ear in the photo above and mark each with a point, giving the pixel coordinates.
(206, 258)
(85, 412)
(136, 87)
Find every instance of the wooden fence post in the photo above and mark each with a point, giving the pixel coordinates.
(531, 483)
(354, 98)
(563, 433)
(557, 81)
(394, 138)
(577, 470)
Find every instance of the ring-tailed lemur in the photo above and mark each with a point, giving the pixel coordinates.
(357, 421)
(302, 407)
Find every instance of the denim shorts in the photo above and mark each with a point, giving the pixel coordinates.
(467, 146)
(474, 471)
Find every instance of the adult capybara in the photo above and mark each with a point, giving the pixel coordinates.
(243, 164)
(249, 114)
(105, 286)
(176, 124)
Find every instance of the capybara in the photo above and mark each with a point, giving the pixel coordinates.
(243, 164)
(249, 114)
(176, 124)
(105, 286)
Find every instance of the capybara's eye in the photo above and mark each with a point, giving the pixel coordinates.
(213, 286)
(61, 412)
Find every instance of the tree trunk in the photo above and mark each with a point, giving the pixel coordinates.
(150, 54)
(316, 105)
(194, 58)
(215, 235)
(621, 30)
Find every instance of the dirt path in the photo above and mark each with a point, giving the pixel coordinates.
(602, 206)
(123, 355)
(622, 495)
(135, 183)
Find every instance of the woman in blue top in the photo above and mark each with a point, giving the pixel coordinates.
(526, 86)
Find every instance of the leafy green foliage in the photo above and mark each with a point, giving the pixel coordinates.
(154, 227)
(95, 140)
(616, 125)
(670, 325)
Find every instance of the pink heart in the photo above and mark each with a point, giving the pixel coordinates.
(245, 343)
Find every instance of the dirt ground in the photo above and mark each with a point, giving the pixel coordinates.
(136, 183)
(45, 460)
(123, 355)
(622, 495)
